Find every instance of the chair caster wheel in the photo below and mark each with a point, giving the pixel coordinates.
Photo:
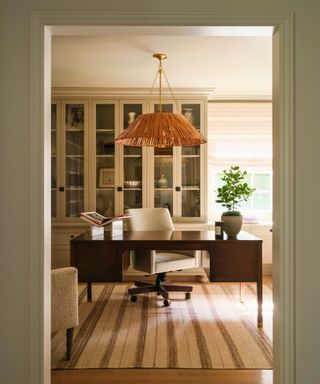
(188, 295)
(133, 298)
(166, 302)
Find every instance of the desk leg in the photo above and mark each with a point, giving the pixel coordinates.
(259, 294)
(89, 291)
(242, 288)
(210, 267)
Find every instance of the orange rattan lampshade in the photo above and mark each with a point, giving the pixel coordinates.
(160, 129)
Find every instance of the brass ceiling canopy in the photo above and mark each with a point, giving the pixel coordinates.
(160, 129)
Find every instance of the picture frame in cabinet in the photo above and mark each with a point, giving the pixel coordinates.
(75, 116)
(106, 177)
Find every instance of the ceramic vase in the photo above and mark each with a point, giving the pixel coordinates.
(231, 225)
(163, 182)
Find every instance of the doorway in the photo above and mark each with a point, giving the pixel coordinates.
(282, 235)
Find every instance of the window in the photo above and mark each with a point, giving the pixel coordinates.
(240, 133)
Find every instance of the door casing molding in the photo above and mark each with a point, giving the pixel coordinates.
(42, 27)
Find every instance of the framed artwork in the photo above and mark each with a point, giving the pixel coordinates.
(106, 177)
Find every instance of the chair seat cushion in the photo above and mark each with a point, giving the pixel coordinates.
(167, 261)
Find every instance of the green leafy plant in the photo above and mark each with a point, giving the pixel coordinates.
(234, 190)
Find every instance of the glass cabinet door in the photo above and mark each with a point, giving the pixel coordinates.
(163, 171)
(53, 160)
(74, 159)
(190, 166)
(132, 162)
(105, 159)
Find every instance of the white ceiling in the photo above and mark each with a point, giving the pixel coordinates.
(237, 62)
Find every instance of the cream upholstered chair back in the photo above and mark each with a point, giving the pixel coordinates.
(157, 261)
(150, 219)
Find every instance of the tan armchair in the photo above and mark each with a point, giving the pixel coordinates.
(64, 303)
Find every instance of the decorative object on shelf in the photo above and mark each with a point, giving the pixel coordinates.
(160, 129)
(132, 184)
(75, 116)
(163, 182)
(106, 177)
(188, 114)
(230, 194)
(131, 117)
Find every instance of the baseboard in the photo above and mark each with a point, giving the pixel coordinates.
(267, 269)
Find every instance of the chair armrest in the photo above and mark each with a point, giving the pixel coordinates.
(64, 298)
(144, 261)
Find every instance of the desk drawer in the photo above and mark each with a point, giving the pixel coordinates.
(96, 262)
(236, 261)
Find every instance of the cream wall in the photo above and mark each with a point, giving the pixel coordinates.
(15, 152)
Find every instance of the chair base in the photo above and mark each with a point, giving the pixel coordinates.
(159, 287)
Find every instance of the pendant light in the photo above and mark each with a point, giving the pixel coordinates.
(160, 129)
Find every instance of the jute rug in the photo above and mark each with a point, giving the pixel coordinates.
(213, 330)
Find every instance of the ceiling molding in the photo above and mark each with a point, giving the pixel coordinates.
(129, 92)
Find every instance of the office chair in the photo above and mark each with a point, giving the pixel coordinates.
(156, 261)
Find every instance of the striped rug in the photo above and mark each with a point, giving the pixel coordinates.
(213, 330)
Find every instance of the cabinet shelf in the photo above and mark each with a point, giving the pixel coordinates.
(105, 156)
(163, 189)
(133, 156)
(105, 130)
(163, 156)
(74, 129)
(75, 156)
(190, 156)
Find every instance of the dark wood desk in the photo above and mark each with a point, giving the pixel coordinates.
(102, 259)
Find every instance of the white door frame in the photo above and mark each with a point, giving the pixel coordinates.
(283, 229)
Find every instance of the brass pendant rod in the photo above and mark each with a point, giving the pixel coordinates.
(160, 57)
(160, 86)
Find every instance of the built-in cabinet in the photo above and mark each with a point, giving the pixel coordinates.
(91, 173)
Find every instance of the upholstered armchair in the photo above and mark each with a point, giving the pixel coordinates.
(157, 262)
(64, 303)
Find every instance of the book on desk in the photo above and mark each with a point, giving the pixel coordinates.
(98, 222)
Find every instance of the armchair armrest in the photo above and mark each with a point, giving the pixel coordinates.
(64, 298)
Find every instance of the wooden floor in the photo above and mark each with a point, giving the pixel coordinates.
(161, 376)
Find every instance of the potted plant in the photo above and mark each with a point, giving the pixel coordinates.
(230, 195)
